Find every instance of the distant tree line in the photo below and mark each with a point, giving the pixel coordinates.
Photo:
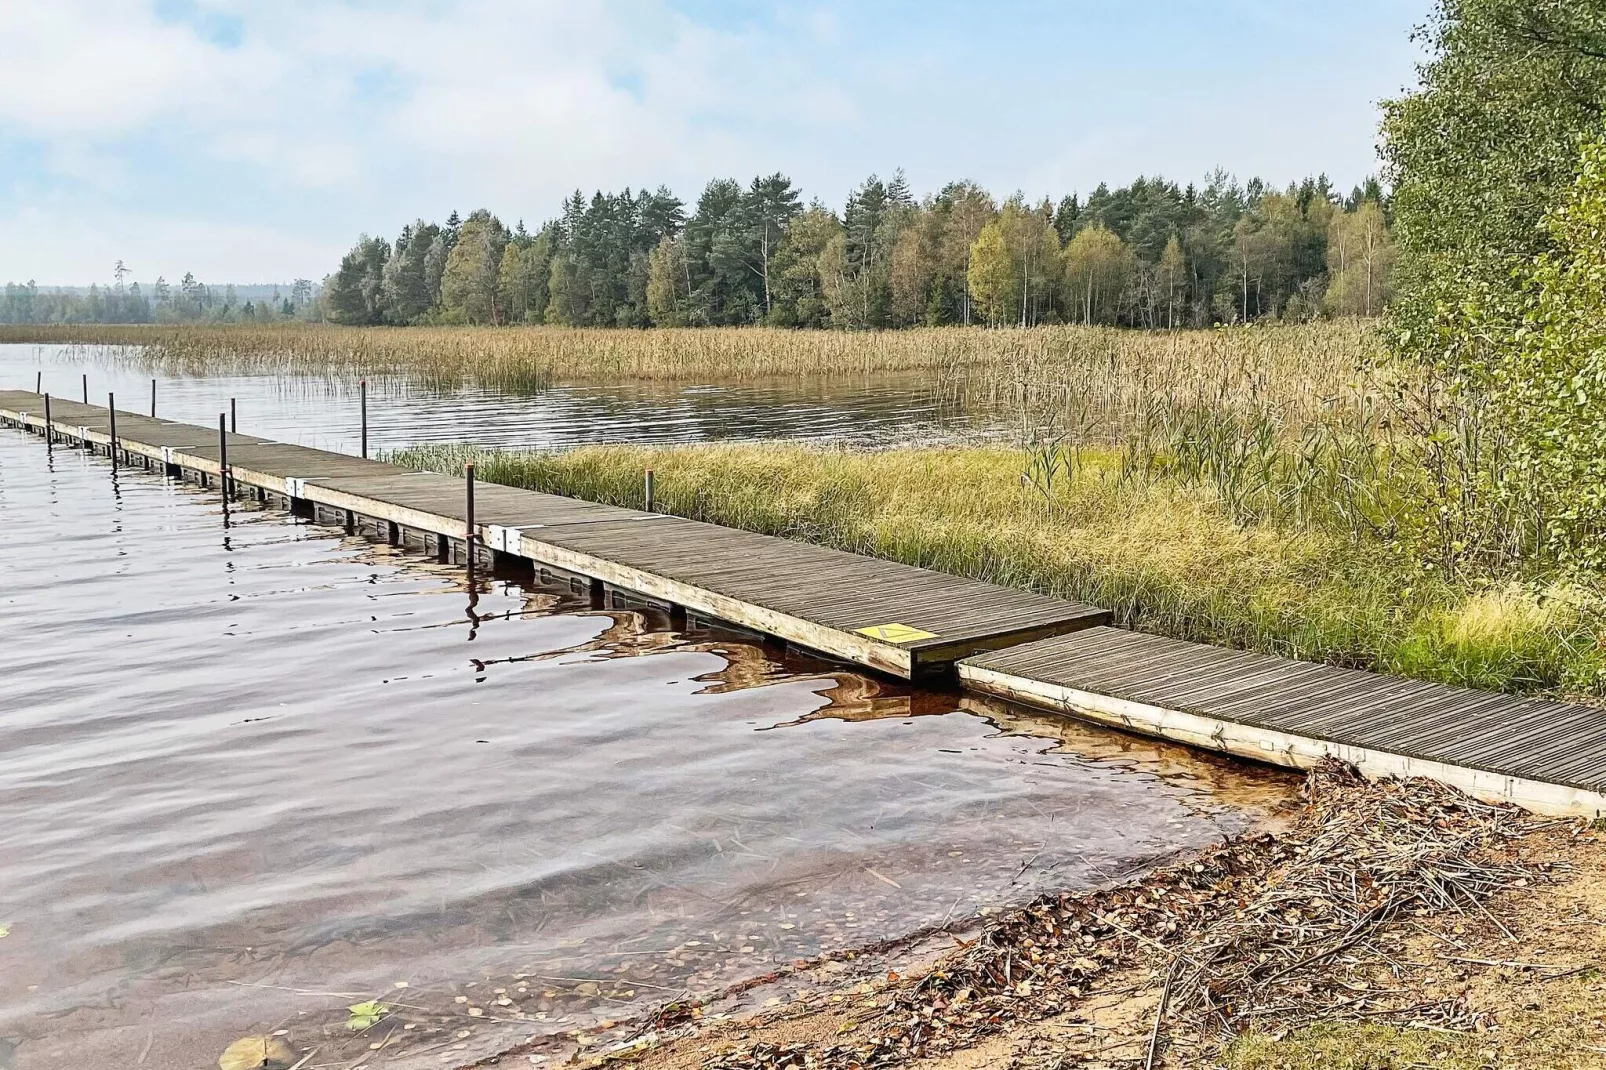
(1151, 254)
(191, 301)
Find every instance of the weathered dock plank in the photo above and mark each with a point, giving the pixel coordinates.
(1547, 756)
(895, 618)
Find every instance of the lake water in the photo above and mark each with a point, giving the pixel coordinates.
(253, 772)
(325, 413)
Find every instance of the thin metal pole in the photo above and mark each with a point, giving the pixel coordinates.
(39, 382)
(50, 435)
(86, 388)
(153, 398)
(362, 390)
(223, 457)
(468, 539)
(234, 423)
(647, 497)
(111, 410)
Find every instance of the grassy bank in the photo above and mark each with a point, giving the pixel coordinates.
(1087, 376)
(1165, 557)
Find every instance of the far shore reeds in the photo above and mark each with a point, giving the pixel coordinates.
(1093, 376)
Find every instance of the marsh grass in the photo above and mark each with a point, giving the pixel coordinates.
(1281, 488)
(1164, 555)
(1094, 378)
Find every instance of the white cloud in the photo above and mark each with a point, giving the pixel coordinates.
(287, 128)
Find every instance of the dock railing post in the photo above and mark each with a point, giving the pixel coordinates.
(50, 434)
(468, 537)
(362, 391)
(223, 457)
(647, 495)
(111, 412)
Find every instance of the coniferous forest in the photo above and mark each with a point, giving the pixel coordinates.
(1152, 254)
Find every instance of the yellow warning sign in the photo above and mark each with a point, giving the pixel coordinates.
(896, 633)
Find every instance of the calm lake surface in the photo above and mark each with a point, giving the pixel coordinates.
(253, 772)
(325, 413)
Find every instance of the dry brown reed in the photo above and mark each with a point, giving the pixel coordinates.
(1093, 380)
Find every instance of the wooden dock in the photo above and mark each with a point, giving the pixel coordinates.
(905, 621)
(1549, 757)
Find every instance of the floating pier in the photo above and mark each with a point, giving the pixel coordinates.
(1549, 757)
(909, 622)
(897, 619)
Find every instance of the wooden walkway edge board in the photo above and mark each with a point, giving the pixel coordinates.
(1549, 757)
(895, 618)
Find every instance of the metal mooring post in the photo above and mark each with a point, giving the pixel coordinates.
(153, 398)
(362, 391)
(39, 382)
(50, 434)
(647, 497)
(223, 456)
(468, 538)
(86, 388)
(111, 411)
(234, 422)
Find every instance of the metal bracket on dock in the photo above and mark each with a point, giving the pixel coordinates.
(507, 540)
(295, 487)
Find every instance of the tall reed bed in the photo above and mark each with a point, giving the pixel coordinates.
(1093, 377)
(1164, 555)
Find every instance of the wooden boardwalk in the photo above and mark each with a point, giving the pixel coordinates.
(895, 618)
(910, 622)
(1547, 756)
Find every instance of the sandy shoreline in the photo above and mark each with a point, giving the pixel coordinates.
(1501, 972)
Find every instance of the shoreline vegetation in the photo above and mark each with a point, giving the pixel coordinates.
(1283, 488)
(1165, 555)
(1303, 367)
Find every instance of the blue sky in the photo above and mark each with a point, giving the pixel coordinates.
(252, 142)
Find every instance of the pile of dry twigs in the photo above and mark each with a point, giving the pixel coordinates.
(1265, 930)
